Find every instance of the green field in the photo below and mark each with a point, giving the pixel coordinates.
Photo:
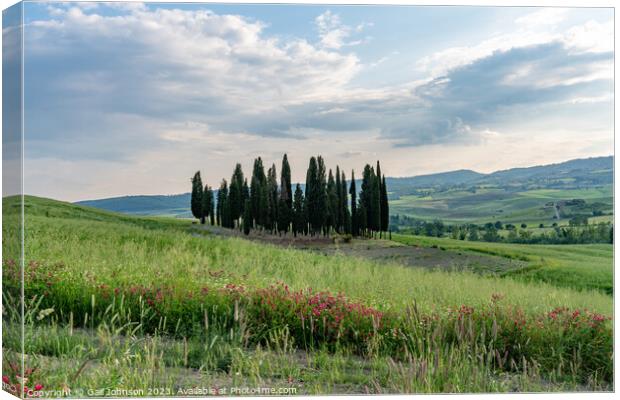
(584, 266)
(490, 204)
(86, 328)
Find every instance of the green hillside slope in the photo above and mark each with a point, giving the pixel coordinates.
(151, 301)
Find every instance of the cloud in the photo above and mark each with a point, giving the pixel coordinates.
(129, 87)
(468, 99)
(334, 34)
(162, 65)
(544, 16)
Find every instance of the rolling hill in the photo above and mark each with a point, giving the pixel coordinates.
(517, 194)
(174, 205)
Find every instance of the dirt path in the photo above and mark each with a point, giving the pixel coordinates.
(383, 250)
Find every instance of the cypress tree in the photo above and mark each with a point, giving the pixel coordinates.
(211, 205)
(196, 197)
(286, 191)
(206, 203)
(245, 195)
(332, 203)
(272, 199)
(354, 216)
(311, 198)
(366, 197)
(321, 195)
(346, 216)
(285, 210)
(385, 207)
(256, 186)
(299, 215)
(380, 211)
(247, 216)
(263, 206)
(339, 214)
(223, 196)
(375, 205)
(218, 208)
(235, 193)
(362, 218)
(284, 216)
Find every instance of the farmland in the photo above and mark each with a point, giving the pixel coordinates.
(108, 294)
(489, 204)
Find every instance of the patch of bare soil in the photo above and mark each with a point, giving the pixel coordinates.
(383, 250)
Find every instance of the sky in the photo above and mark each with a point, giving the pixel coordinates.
(131, 98)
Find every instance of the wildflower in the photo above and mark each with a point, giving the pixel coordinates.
(38, 387)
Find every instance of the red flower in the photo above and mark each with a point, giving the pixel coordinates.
(38, 387)
(6, 379)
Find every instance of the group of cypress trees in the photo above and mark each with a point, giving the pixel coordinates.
(321, 209)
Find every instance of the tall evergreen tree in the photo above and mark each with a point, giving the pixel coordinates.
(339, 213)
(247, 217)
(285, 210)
(346, 216)
(256, 185)
(299, 214)
(378, 182)
(322, 194)
(235, 193)
(332, 203)
(206, 203)
(263, 207)
(366, 197)
(385, 207)
(362, 219)
(311, 198)
(284, 216)
(375, 205)
(286, 190)
(272, 199)
(354, 214)
(218, 208)
(209, 194)
(245, 195)
(224, 205)
(196, 197)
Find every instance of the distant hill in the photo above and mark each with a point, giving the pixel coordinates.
(173, 205)
(580, 172)
(573, 174)
(451, 178)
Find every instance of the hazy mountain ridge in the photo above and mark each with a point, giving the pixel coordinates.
(578, 173)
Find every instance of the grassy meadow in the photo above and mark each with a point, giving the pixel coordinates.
(583, 266)
(116, 301)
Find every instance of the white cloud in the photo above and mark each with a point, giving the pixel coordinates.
(591, 37)
(535, 28)
(163, 92)
(543, 17)
(439, 63)
(227, 53)
(334, 34)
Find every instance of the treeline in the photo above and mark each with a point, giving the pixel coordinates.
(328, 203)
(490, 232)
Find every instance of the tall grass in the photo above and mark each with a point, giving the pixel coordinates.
(581, 267)
(112, 301)
(123, 255)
